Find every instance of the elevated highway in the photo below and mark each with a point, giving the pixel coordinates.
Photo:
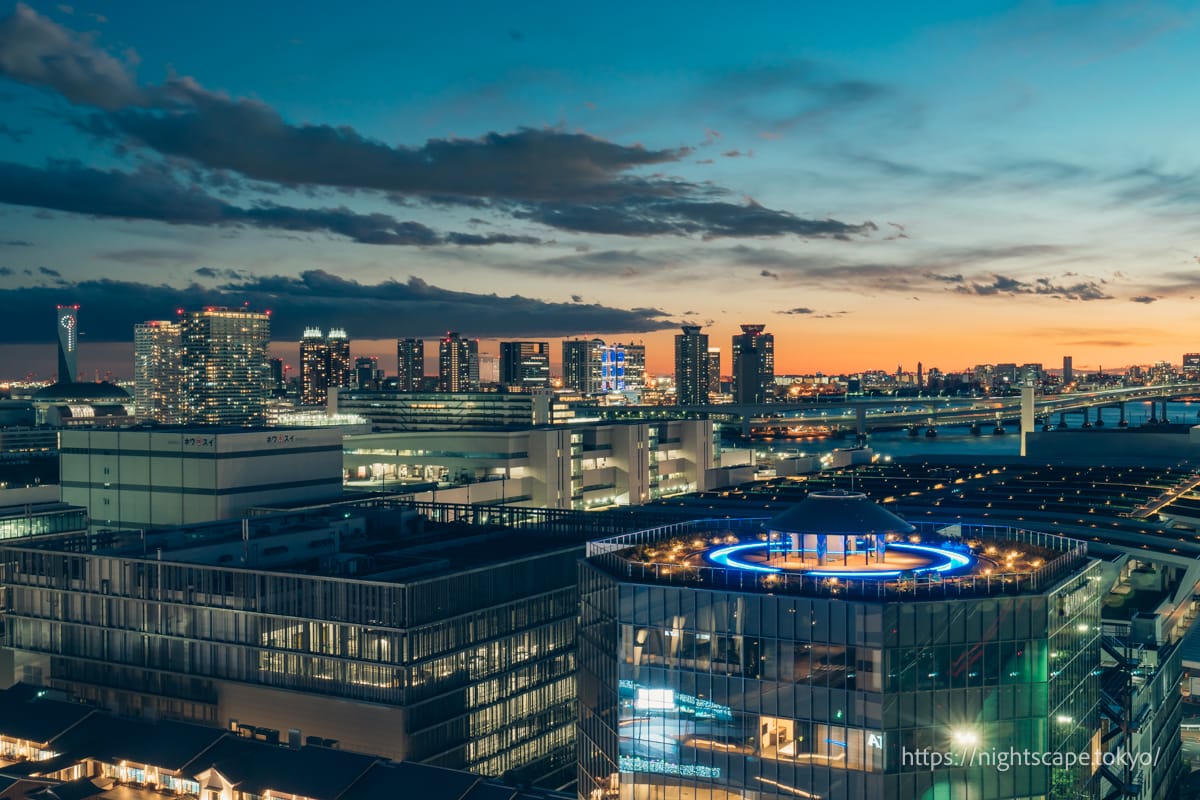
(863, 415)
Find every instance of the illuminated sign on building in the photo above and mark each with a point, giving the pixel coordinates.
(658, 765)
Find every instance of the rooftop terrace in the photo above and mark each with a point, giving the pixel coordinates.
(937, 560)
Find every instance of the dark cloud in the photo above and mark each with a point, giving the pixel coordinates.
(1005, 285)
(154, 194)
(711, 219)
(766, 273)
(37, 51)
(576, 298)
(370, 311)
(5, 272)
(974, 277)
(51, 273)
(16, 243)
(150, 255)
(254, 140)
(810, 312)
(1144, 298)
(567, 180)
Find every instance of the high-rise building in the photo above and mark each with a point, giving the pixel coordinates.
(753, 365)
(1068, 371)
(158, 371)
(366, 373)
(324, 364)
(714, 371)
(314, 367)
(525, 365)
(278, 380)
(691, 366)
(410, 364)
(458, 364)
(225, 366)
(635, 365)
(583, 365)
(66, 320)
(1191, 366)
(341, 369)
(612, 368)
(806, 663)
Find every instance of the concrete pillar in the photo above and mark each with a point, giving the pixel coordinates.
(1164, 414)
(1027, 415)
(1062, 420)
(860, 419)
(1121, 423)
(822, 548)
(1087, 422)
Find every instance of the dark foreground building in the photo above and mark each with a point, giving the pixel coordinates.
(449, 645)
(825, 654)
(52, 749)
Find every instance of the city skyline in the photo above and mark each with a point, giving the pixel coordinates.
(938, 184)
(116, 360)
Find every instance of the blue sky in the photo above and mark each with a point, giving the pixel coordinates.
(878, 182)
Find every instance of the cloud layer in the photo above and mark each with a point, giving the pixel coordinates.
(110, 308)
(565, 180)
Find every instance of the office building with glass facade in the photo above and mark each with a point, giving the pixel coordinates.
(450, 645)
(834, 653)
(158, 371)
(224, 364)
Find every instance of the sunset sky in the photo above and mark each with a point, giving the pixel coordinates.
(878, 183)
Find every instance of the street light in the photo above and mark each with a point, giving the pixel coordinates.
(965, 737)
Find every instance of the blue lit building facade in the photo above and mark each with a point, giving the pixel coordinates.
(702, 681)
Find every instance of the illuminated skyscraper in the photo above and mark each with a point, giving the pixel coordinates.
(341, 369)
(525, 365)
(158, 371)
(592, 367)
(324, 363)
(714, 371)
(691, 366)
(581, 364)
(1068, 370)
(225, 366)
(635, 365)
(314, 367)
(410, 364)
(753, 365)
(458, 364)
(67, 322)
